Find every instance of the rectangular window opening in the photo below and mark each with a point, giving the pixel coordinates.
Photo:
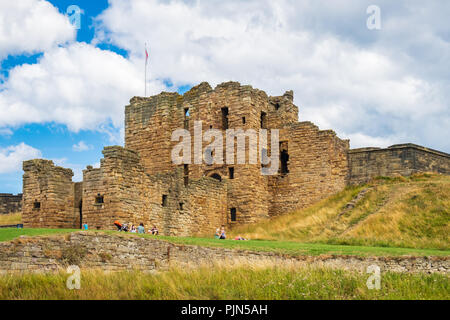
(263, 120)
(186, 175)
(284, 158)
(225, 112)
(186, 118)
(233, 215)
(231, 173)
(99, 199)
(164, 200)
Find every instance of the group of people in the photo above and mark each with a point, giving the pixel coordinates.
(130, 227)
(133, 229)
(220, 234)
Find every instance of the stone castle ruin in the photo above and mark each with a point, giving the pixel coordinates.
(141, 183)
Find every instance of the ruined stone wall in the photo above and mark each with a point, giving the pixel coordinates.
(404, 160)
(91, 250)
(10, 203)
(48, 196)
(108, 191)
(317, 168)
(132, 196)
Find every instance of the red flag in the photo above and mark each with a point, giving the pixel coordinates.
(146, 55)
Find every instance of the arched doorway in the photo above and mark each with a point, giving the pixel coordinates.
(216, 176)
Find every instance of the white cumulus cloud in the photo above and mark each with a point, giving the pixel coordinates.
(359, 82)
(81, 146)
(31, 26)
(11, 157)
(80, 86)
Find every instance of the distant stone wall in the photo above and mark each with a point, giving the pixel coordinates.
(10, 203)
(125, 252)
(404, 160)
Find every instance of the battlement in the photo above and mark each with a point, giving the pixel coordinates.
(45, 166)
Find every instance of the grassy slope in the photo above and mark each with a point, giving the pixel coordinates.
(396, 212)
(249, 282)
(285, 247)
(12, 218)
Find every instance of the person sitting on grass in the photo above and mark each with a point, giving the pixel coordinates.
(223, 236)
(155, 231)
(217, 234)
(118, 225)
(124, 228)
(141, 229)
(133, 229)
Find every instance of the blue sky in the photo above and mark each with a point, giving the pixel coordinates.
(63, 90)
(54, 140)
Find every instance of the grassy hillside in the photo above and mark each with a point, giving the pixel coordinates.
(267, 282)
(409, 212)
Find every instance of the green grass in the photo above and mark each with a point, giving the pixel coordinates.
(256, 283)
(284, 247)
(13, 233)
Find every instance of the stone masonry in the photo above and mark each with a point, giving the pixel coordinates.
(10, 203)
(403, 160)
(140, 183)
(91, 250)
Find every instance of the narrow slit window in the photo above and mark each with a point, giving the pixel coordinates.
(284, 158)
(231, 173)
(263, 120)
(225, 112)
(181, 206)
(186, 175)
(233, 214)
(186, 118)
(164, 200)
(244, 121)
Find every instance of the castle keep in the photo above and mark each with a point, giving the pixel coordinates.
(141, 183)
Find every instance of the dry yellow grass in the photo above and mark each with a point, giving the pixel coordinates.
(409, 212)
(266, 282)
(11, 218)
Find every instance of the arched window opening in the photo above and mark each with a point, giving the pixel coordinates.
(217, 177)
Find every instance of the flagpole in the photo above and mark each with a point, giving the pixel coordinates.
(145, 81)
